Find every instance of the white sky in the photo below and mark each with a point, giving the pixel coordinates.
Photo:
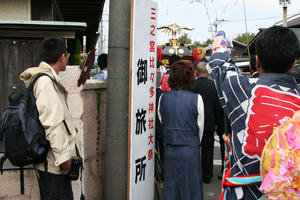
(259, 13)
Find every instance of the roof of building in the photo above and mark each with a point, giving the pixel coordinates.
(237, 43)
(40, 29)
(252, 42)
(55, 25)
(88, 11)
(292, 21)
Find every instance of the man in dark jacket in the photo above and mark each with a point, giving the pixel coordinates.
(206, 88)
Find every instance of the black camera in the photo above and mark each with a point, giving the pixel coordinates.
(76, 164)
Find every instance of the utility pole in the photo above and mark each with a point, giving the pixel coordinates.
(284, 5)
(116, 149)
(103, 30)
(216, 23)
(247, 35)
(210, 25)
(101, 42)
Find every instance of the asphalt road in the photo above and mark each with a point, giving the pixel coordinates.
(212, 191)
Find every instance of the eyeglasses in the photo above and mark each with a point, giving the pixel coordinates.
(67, 54)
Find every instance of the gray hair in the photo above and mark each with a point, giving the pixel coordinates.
(201, 68)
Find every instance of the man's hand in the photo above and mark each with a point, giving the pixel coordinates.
(66, 165)
(219, 41)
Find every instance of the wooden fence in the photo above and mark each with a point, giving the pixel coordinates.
(15, 56)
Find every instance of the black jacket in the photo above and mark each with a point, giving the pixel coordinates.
(212, 108)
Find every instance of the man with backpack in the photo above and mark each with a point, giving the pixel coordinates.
(55, 117)
(254, 106)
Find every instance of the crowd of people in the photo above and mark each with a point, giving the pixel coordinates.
(191, 109)
(194, 100)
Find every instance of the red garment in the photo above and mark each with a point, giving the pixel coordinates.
(159, 53)
(164, 83)
(195, 55)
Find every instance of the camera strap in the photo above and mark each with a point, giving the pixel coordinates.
(81, 168)
(77, 150)
(82, 195)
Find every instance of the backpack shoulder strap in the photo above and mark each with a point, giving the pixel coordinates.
(21, 180)
(2, 159)
(30, 87)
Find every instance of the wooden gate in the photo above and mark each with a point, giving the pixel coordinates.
(15, 57)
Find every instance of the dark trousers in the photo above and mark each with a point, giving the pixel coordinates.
(207, 155)
(54, 186)
(161, 149)
(222, 150)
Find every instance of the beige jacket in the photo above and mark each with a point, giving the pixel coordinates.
(53, 112)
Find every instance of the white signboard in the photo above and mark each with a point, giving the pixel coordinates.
(142, 100)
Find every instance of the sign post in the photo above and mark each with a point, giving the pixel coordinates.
(142, 94)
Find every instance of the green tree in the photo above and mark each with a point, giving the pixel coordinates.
(245, 37)
(184, 39)
(206, 43)
(74, 48)
(196, 44)
(201, 44)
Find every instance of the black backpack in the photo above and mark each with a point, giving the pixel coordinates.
(22, 134)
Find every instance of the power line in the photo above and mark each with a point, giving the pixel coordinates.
(255, 19)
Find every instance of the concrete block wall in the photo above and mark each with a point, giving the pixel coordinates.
(94, 120)
(88, 108)
(75, 102)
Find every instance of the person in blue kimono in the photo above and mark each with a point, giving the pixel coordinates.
(102, 63)
(254, 106)
(182, 115)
